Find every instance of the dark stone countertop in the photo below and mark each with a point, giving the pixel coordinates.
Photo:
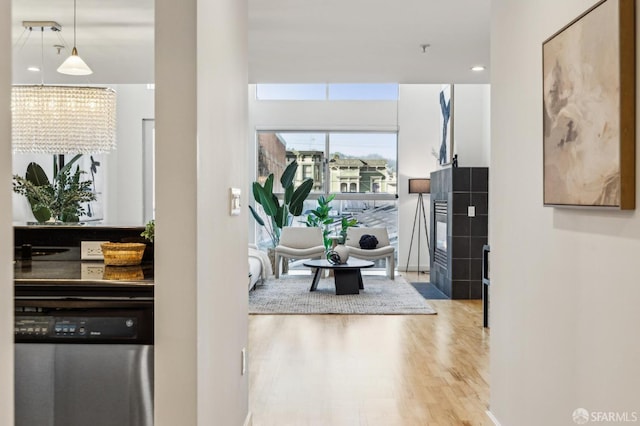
(34, 278)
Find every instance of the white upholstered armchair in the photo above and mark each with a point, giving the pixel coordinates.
(299, 243)
(382, 251)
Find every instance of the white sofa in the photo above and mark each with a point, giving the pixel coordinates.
(259, 266)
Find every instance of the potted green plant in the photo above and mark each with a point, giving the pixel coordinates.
(280, 214)
(320, 217)
(149, 230)
(61, 198)
(345, 224)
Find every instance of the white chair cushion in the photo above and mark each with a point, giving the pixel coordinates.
(300, 253)
(301, 238)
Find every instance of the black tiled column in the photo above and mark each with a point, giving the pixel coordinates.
(461, 187)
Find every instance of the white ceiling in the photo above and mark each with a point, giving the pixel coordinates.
(289, 41)
(368, 41)
(114, 37)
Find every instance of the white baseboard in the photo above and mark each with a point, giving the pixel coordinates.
(492, 418)
(249, 420)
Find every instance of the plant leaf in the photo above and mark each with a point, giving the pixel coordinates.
(281, 217)
(42, 214)
(266, 200)
(289, 173)
(299, 195)
(67, 167)
(256, 192)
(268, 184)
(36, 175)
(288, 193)
(256, 216)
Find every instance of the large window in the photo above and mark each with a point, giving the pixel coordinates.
(341, 163)
(360, 168)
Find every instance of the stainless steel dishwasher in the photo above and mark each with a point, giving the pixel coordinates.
(83, 354)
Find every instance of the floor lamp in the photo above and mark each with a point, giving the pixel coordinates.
(419, 186)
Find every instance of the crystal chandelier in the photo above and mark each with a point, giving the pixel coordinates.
(63, 119)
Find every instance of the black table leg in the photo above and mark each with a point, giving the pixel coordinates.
(360, 283)
(347, 281)
(316, 279)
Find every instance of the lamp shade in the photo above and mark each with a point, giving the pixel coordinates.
(74, 65)
(419, 186)
(63, 119)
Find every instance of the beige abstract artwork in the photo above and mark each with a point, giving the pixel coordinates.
(582, 124)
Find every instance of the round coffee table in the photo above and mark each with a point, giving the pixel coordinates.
(347, 276)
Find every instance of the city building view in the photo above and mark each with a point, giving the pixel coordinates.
(358, 168)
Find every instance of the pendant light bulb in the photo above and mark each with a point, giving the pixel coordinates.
(74, 65)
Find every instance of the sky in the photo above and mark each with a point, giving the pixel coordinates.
(332, 92)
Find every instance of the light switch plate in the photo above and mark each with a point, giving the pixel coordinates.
(91, 250)
(244, 362)
(471, 211)
(235, 201)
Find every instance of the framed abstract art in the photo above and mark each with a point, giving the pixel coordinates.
(589, 109)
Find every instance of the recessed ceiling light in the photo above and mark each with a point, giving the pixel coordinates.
(478, 68)
(33, 69)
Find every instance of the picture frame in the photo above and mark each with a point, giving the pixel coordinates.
(589, 109)
(90, 164)
(444, 154)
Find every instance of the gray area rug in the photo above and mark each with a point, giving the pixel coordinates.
(290, 295)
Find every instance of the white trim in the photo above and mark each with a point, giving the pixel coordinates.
(492, 418)
(334, 129)
(249, 420)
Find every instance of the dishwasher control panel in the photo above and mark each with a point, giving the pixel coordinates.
(75, 328)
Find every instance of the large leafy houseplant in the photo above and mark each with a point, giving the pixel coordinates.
(280, 214)
(61, 198)
(320, 217)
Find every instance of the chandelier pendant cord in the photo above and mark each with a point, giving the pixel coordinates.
(42, 56)
(74, 24)
(26, 31)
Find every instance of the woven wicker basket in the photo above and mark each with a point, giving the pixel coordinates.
(122, 254)
(120, 272)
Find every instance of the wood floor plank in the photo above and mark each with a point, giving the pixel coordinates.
(371, 370)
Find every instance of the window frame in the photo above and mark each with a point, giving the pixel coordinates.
(326, 183)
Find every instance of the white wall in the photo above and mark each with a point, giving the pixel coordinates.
(123, 167)
(6, 230)
(471, 133)
(564, 283)
(416, 116)
(419, 118)
(201, 251)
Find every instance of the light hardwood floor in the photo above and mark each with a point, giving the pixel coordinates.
(369, 370)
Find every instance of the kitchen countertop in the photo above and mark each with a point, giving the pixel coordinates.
(82, 278)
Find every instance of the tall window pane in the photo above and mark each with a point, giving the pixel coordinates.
(363, 162)
(276, 150)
